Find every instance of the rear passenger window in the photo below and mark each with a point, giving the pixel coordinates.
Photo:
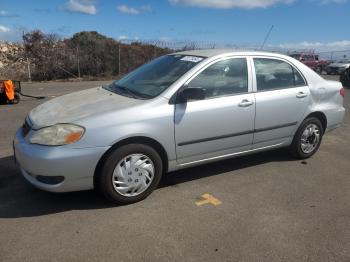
(223, 78)
(298, 79)
(276, 74)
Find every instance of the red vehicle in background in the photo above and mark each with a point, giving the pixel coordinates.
(311, 60)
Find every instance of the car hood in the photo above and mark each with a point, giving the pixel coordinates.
(78, 105)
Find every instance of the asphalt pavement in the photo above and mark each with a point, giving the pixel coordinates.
(263, 207)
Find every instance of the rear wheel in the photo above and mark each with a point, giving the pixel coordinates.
(130, 173)
(3, 98)
(16, 99)
(307, 139)
(345, 78)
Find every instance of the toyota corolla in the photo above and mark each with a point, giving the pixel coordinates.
(180, 110)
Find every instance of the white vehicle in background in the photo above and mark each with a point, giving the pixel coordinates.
(338, 67)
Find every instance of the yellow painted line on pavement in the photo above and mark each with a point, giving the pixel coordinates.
(208, 199)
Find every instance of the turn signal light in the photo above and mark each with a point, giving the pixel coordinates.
(73, 137)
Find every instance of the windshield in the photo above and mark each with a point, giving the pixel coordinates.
(151, 79)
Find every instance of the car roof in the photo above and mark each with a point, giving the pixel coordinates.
(219, 52)
(312, 77)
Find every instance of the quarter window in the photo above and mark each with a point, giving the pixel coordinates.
(223, 78)
(276, 74)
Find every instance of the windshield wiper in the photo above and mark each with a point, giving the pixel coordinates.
(134, 94)
(127, 90)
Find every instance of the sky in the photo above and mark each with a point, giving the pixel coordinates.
(309, 24)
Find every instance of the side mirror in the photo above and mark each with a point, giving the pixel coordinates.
(190, 94)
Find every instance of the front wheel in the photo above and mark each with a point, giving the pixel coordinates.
(130, 173)
(307, 139)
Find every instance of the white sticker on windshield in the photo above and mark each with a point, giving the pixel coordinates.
(194, 59)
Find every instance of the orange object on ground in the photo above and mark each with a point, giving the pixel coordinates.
(9, 89)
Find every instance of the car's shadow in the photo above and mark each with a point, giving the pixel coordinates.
(19, 199)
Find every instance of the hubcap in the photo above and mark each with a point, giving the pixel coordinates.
(310, 138)
(133, 175)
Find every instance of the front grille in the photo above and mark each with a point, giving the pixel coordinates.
(25, 128)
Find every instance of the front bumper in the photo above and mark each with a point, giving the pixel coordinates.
(76, 165)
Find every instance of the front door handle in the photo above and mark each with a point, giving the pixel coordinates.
(301, 95)
(245, 103)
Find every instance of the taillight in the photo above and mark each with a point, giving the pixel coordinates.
(342, 92)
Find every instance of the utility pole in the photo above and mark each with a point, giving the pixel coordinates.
(29, 73)
(119, 71)
(78, 61)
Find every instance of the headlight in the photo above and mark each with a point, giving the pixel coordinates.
(58, 135)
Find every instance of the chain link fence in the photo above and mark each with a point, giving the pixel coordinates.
(62, 62)
(335, 55)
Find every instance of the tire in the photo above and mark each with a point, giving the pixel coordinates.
(345, 78)
(297, 147)
(126, 175)
(3, 99)
(319, 69)
(16, 99)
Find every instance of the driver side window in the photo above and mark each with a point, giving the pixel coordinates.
(223, 78)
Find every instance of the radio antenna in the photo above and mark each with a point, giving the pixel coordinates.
(266, 37)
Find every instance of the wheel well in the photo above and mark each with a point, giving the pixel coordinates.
(320, 116)
(134, 140)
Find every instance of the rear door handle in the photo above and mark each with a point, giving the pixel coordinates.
(301, 95)
(245, 103)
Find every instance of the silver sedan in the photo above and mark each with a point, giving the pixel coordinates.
(180, 110)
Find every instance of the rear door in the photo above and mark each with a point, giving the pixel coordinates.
(282, 97)
(223, 122)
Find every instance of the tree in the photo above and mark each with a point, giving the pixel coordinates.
(98, 55)
(45, 52)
